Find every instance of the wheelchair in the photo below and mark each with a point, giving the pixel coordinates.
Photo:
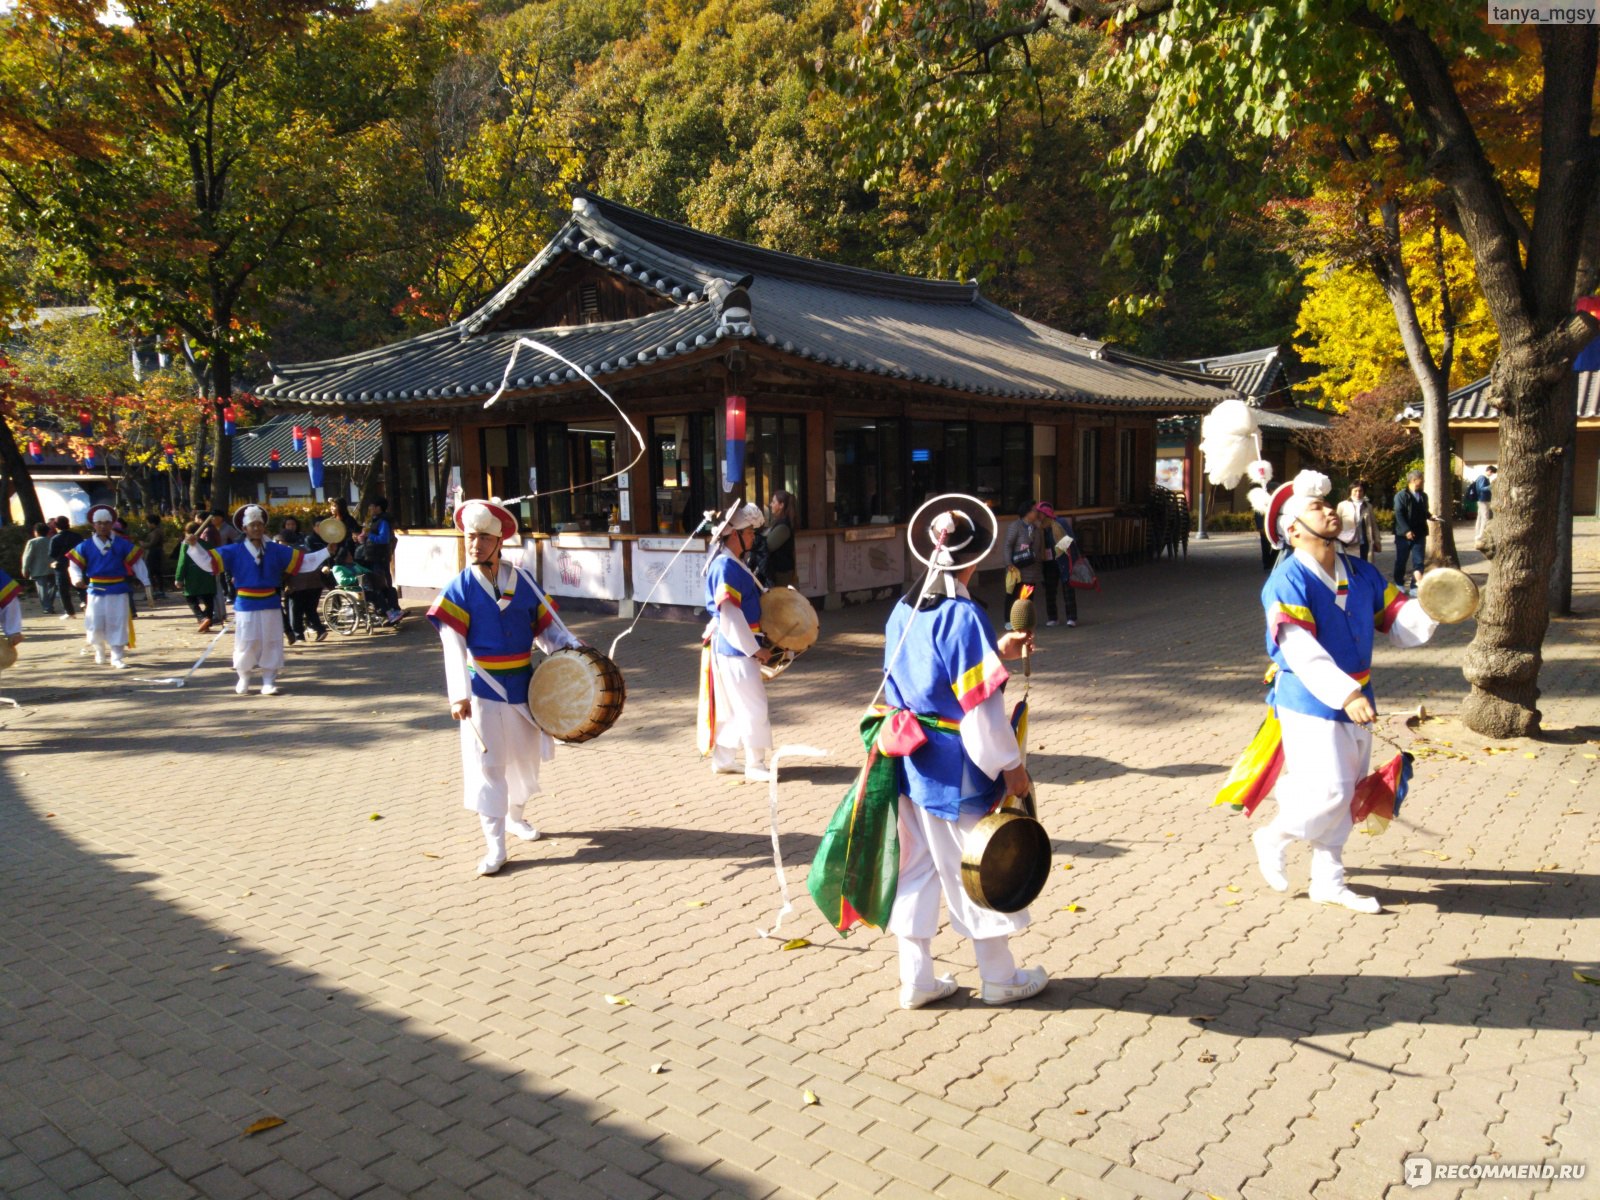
(346, 607)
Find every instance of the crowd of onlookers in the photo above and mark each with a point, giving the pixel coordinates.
(359, 562)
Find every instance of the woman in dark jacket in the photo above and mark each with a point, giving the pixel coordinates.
(780, 541)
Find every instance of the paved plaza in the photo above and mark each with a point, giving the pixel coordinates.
(216, 910)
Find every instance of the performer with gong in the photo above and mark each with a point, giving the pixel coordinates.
(104, 563)
(489, 618)
(1323, 608)
(258, 568)
(942, 754)
(733, 695)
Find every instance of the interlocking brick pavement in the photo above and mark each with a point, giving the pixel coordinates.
(215, 909)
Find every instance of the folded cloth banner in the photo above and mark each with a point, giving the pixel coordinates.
(1378, 797)
(1257, 769)
(705, 726)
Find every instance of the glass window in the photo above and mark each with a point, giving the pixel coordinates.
(956, 469)
(775, 451)
(1016, 472)
(1127, 461)
(927, 457)
(422, 463)
(555, 476)
(1088, 468)
(869, 472)
(683, 470)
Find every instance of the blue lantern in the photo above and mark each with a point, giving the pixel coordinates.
(314, 455)
(229, 417)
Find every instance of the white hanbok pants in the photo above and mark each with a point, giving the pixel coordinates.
(107, 619)
(1323, 761)
(930, 867)
(505, 772)
(741, 703)
(258, 641)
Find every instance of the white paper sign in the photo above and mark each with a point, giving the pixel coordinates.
(422, 561)
(680, 582)
(583, 571)
(811, 564)
(864, 565)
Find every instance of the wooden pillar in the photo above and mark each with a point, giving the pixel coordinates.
(819, 443)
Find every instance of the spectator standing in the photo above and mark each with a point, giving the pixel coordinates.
(1057, 567)
(780, 541)
(1359, 523)
(61, 545)
(1024, 551)
(198, 585)
(376, 552)
(1482, 491)
(36, 567)
(1411, 517)
(303, 591)
(155, 554)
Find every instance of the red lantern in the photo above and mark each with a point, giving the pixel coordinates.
(299, 438)
(85, 422)
(229, 417)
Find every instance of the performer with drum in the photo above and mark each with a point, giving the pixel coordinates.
(1323, 608)
(489, 618)
(258, 568)
(10, 609)
(104, 563)
(733, 695)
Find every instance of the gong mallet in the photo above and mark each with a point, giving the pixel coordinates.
(1022, 621)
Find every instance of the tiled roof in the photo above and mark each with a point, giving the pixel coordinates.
(1292, 420)
(1473, 401)
(1255, 373)
(892, 326)
(346, 442)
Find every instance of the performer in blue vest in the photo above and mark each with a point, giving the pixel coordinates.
(489, 618)
(1323, 609)
(948, 673)
(733, 694)
(105, 562)
(258, 569)
(10, 609)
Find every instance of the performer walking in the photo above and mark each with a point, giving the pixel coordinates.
(258, 569)
(11, 609)
(1323, 608)
(104, 563)
(489, 618)
(943, 750)
(733, 695)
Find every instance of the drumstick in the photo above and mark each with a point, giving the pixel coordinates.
(472, 724)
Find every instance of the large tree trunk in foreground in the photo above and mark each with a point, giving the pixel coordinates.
(1503, 661)
(21, 479)
(1561, 572)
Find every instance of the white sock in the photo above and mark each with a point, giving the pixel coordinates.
(916, 963)
(995, 964)
(494, 836)
(268, 679)
(516, 823)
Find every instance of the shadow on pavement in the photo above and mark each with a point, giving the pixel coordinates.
(1551, 895)
(140, 1041)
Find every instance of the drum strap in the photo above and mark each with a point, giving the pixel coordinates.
(555, 617)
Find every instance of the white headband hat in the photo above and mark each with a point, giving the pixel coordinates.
(740, 516)
(1307, 486)
(486, 516)
(102, 512)
(253, 513)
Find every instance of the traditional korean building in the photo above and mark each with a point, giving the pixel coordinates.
(861, 392)
(1475, 435)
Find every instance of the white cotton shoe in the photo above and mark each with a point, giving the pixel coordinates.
(1271, 855)
(1343, 897)
(242, 686)
(943, 987)
(491, 864)
(1029, 982)
(269, 689)
(731, 768)
(118, 663)
(521, 829)
(99, 657)
(64, 617)
(758, 774)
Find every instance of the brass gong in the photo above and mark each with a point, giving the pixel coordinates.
(1006, 859)
(1447, 595)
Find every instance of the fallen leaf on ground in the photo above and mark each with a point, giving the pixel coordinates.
(1573, 812)
(797, 943)
(1233, 887)
(1592, 755)
(1071, 908)
(808, 1097)
(1207, 1057)
(1585, 977)
(429, 854)
(1082, 1112)
(261, 1126)
(1066, 866)
(1529, 754)
(223, 967)
(1548, 867)
(1229, 903)
(657, 1068)
(620, 1001)
(695, 903)
(375, 817)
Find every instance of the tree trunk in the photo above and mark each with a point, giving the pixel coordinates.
(1438, 479)
(1502, 663)
(22, 478)
(1560, 599)
(222, 463)
(197, 472)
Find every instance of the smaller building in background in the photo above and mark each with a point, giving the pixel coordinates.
(350, 449)
(1265, 378)
(1475, 435)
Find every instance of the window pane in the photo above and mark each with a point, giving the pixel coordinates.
(927, 453)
